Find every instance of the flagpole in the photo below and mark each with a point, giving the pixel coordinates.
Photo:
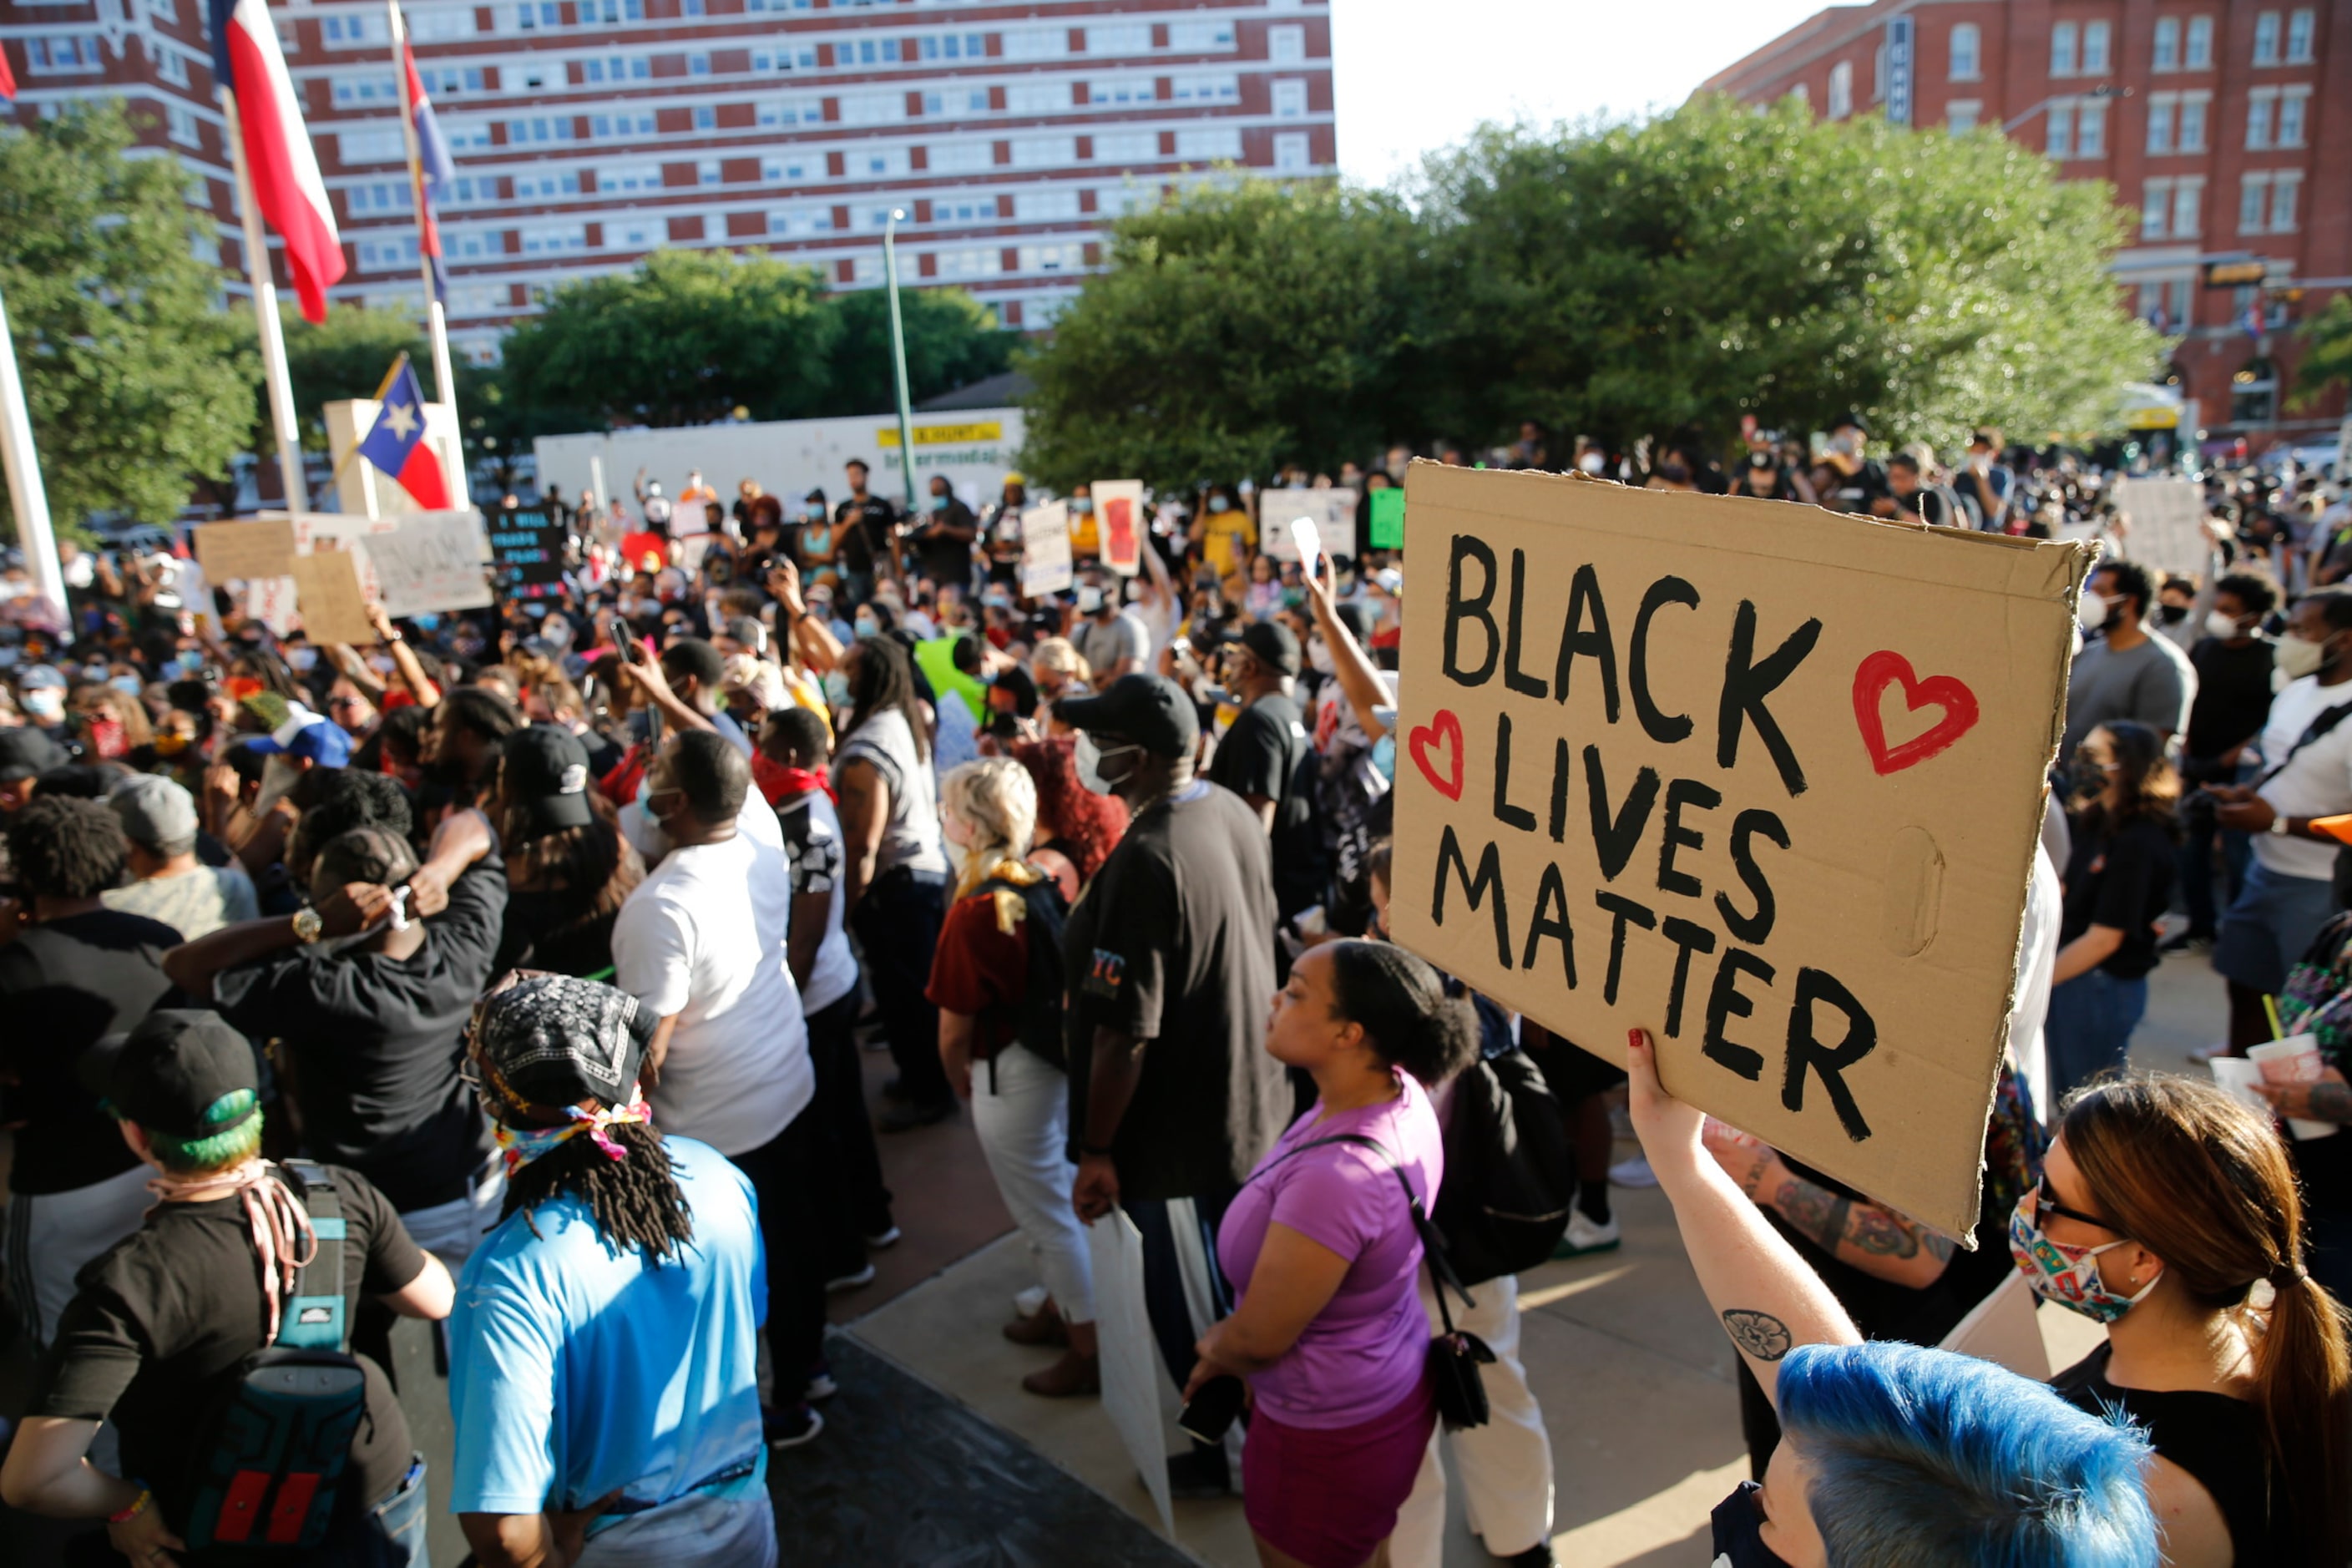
(436, 321)
(25, 496)
(282, 416)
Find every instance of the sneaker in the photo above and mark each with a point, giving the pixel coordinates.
(886, 1237)
(1634, 1172)
(2185, 941)
(821, 1386)
(1537, 1556)
(790, 1428)
(905, 1118)
(1199, 1473)
(863, 1278)
(1584, 1235)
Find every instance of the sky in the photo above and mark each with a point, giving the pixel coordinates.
(1414, 76)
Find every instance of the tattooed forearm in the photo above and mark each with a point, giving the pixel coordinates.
(1876, 1232)
(2331, 1102)
(1813, 1211)
(1759, 1334)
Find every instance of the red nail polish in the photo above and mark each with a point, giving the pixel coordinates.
(1632, 1037)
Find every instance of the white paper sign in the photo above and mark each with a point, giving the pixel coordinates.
(1333, 513)
(2167, 518)
(270, 601)
(1119, 524)
(1046, 550)
(1309, 541)
(433, 561)
(1130, 1362)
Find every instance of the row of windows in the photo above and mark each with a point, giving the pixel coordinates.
(394, 253)
(1186, 37)
(2267, 204)
(1047, 95)
(61, 53)
(2087, 49)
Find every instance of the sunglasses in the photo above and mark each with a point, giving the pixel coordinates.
(2044, 1206)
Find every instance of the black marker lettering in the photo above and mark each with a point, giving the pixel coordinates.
(1559, 790)
(1459, 609)
(1747, 683)
(1724, 1002)
(1489, 880)
(1808, 1054)
(1507, 814)
(1585, 595)
(1673, 835)
(1688, 937)
(1620, 910)
(1551, 894)
(1615, 840)
(1663, 728)
(1746, 828)
(1516, 678)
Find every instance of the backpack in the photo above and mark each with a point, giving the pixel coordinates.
(277, 1433)
(1510, 1169)
(1039, 1027)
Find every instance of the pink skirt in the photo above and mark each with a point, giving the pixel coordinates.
(1329, 1495)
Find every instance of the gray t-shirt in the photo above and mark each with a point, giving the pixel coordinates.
(2152, 683)
(194, 903)
(1103, 644)
(911, 836)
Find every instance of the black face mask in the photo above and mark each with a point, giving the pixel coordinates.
(2172, 615)
(1739, 1531)
(1673, 473)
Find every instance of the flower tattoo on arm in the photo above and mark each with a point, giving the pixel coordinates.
(1758, 1334)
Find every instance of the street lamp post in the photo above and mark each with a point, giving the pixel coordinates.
(898, 351)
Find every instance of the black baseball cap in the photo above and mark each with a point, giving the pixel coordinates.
(552, 1041)
(1275, 644)
(28, 752)
(1149, 710)
(547, 770)
(172, 1069)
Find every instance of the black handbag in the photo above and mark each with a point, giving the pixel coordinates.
(1455, 1356)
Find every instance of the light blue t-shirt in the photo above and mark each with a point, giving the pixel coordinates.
(573, 1371)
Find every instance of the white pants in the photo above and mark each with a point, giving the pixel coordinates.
(1505, 1464)
(52, 1235)
(1023, 1122)
(451, 1231)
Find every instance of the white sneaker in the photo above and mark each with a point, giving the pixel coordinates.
(858, 1281)
(1584, 1235)
(1634, 1172)
(885, 1238)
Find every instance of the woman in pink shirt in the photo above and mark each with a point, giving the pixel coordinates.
(1324, 1260)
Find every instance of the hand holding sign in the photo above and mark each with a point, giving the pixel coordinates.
(1311, 544)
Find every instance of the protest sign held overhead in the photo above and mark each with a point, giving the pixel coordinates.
(1762, 780)
(327, 592)
(2165, 524)
(433, 561)
(1332, 510)
(1118, 508)
(1045, 565)
(233, 550)
(529, 547)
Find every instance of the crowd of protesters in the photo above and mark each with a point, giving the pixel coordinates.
(535, 946)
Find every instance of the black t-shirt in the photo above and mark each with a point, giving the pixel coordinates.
(1854, 491)
(372, 1044)
(160, 1318)
(944, 560)
(544, 928)
(2233, 697)
(64, 985)
(1173, 943)
(2121, 878)
(862, 531)
(1269, 753)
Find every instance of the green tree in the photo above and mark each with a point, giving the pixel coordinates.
(1633, 279)
(1237, 328)
(952, 341)
(137, 385)
(685, 339)
(2327, 352)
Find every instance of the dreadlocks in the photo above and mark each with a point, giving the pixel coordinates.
(635, 1202)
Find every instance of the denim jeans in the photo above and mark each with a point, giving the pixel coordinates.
(2089, 1029)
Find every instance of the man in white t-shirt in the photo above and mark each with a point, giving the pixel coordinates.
(703, 943)
(853, 1203)
(2306, 772)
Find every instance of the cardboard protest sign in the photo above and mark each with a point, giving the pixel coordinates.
(270, 601)
(433, 561)
(1765, 781)
(1333, 513)
(2165, 524)
(228, 551)
(1118, 507)
(1384, 529)
(528, 547)
(1046, 550)
(327, 592)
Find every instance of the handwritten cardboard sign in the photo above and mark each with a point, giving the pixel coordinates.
(233, 550)
(433, 561)
(334, 607)
(1762, 780)
(1045, 565)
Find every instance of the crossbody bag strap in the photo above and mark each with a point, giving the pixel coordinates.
(2315, 732)
(315, 1316)
(1433, 1244)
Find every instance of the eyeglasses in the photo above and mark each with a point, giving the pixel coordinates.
(2044, 1206)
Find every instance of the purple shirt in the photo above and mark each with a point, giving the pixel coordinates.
(1369, 1346)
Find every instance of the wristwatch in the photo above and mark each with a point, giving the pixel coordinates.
(2278, 825)
(307, 925)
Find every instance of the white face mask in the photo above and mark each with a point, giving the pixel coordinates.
(2091, 611)
(2218, 625)
(1319, 657)
(1088, 757)
(2297, 657)
(1591, 462)
(45, 703)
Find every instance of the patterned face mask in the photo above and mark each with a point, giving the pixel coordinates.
(2066, 1275)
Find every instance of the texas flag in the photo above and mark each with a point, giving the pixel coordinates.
(286, 184)
(397, 446)
(435, 172)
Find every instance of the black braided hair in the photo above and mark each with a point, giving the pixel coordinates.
(635, 1202)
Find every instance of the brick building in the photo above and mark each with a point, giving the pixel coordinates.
(2225, 127)
(588, 133)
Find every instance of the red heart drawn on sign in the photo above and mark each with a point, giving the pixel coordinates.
(1445, 727)
(1883, 669)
